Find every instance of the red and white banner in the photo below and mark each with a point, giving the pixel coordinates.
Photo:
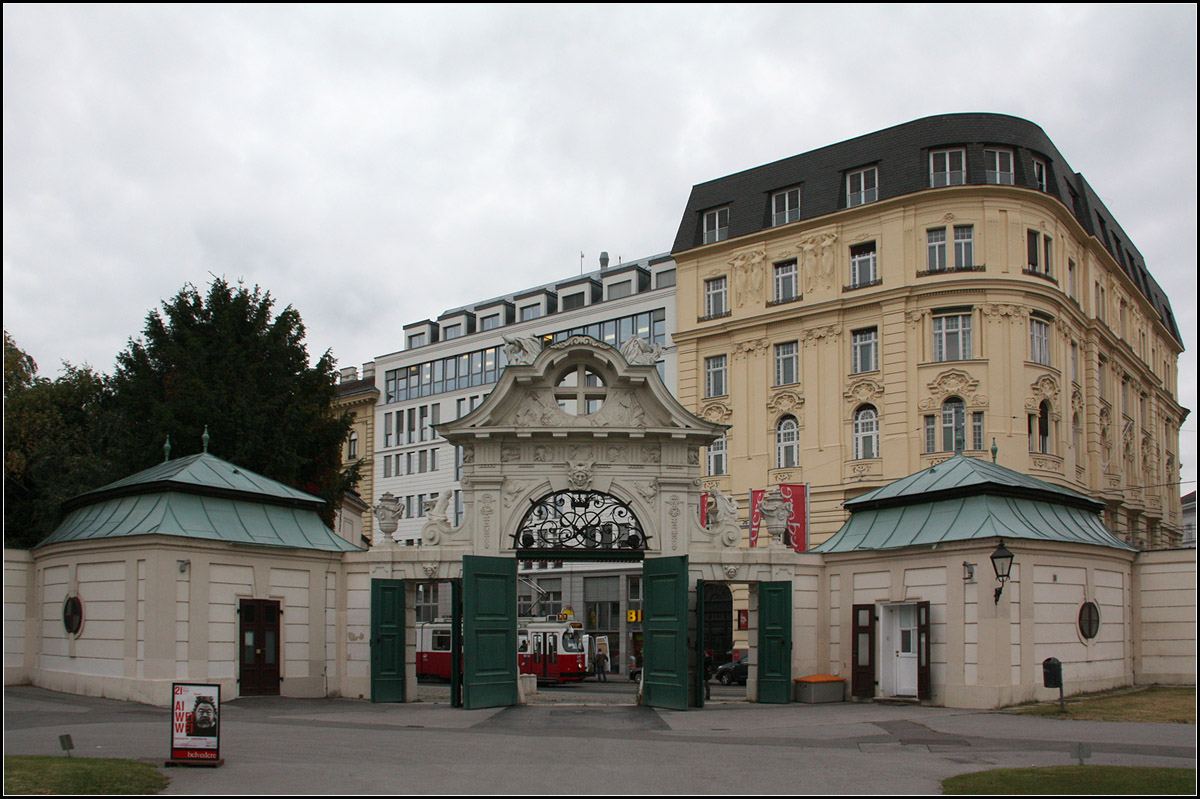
(704, 510)
(796, 495)
(756, 497)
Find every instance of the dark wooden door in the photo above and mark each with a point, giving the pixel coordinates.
(258, 644)
(862, 655)
(775, 642)
(489, 631)
(387, 640)
(664, 633)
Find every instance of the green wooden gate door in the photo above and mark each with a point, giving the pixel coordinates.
(775, 642)
(489, 631)
(387, 640)
(664, 632)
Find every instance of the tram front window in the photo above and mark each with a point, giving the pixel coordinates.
(572, 642)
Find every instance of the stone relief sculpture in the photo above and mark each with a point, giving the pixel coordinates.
(639, 352)
(521, 350)
(818, 265)
(748, 276)
(579, 475)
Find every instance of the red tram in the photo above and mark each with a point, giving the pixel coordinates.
(550, 647)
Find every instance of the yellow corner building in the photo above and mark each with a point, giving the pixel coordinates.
(859, 312)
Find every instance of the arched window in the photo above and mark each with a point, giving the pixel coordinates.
(352, 447)
(1039, 429)
(954, 424)
(787, 443)
(866, 433)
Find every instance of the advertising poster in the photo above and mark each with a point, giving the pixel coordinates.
(195, 722)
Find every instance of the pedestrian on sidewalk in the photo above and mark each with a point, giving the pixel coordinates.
(602, 666)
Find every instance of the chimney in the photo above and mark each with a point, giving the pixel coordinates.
(369, 371)
(604, 260)
(348, 373)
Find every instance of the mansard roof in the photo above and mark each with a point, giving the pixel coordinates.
(901, 154)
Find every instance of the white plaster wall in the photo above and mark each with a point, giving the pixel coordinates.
(1165, 624)
(18, 629)
(55, 655)
(228, 582)
(290, 587)
(806, 618)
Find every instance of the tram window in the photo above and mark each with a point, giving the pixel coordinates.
(441, 641)
(571, 642)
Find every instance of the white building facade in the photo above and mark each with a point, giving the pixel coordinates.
(449, 365)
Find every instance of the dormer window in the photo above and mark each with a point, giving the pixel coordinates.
(862, 187)
(716, 225)
(416, 340)
(785, 207)
(998, 167)
(947, 168)
(1039, 174)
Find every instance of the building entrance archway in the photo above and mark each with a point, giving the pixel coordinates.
(616, 477)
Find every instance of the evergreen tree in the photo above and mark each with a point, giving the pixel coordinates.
(224, 362)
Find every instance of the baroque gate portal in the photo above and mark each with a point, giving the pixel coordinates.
(580, 453)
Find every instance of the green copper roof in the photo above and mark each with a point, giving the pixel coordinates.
(202, 473)
(963, 499)
(966, 518)
(201, 497)
(961, 476)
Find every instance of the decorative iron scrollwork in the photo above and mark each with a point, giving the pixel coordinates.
(580, 520)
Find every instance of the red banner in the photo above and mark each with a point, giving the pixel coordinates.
(796, 495)
(756, 496)
(704, 510)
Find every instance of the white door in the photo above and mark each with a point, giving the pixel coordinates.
(905, 640)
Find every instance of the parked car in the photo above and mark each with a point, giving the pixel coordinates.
(735, 671)
(635, 673)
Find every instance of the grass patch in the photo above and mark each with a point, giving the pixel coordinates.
(1157, 703)
(80, 775)
(1082, 780)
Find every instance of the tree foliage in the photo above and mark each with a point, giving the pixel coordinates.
(225, 363)
(56, 438)
(222, 360)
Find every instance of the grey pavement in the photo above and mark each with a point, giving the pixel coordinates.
(559, 745)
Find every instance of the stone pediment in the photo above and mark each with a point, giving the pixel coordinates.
(581, 385)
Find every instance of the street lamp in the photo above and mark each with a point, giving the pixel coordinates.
(1002, 561)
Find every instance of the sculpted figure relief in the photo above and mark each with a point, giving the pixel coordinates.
(637, 351)
(437, 519)
(521, 349)
(723, 518)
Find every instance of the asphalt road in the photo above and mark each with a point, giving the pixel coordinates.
(338, 746)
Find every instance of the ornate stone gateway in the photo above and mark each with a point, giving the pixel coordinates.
(581, 453)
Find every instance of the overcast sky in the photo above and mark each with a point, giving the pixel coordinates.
(373, 166)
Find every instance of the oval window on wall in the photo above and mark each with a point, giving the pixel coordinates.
(73, 614)
(1089, 620)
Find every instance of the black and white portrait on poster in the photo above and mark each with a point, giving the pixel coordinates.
(195, 722)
